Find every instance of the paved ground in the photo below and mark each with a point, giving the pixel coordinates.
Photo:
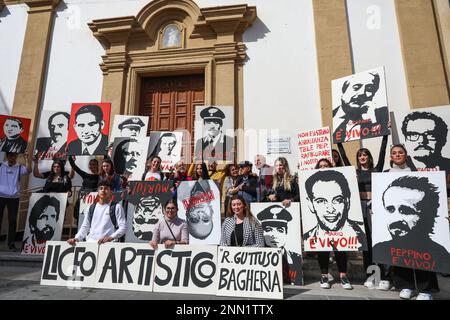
(20, 280)
(22, 283)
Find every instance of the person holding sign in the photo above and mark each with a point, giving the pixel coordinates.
(364, 170)
(56, 180)
(171, 230)
(241, 229)
(105, 221)
(407, 279)
(284, 187)
(10, 174)
(323, 257)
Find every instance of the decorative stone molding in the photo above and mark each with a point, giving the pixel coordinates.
(212, 46)
(37, 6)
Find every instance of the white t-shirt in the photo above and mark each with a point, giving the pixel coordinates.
(9, 179)
(101, 225)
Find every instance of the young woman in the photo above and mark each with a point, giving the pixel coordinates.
(90, 181)
(324, 257)
(171, 230)
(364, 170)
(107, 173)
(153, 169)
(240, 228)
(284, 187)
(201, 172)
(56, 180)
(337, 158)
(407, 279)
(231, 174)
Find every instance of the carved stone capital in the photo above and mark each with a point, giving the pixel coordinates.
(37, 6)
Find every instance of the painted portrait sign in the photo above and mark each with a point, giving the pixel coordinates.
(145, 208)
(214, 133)
(282, 230)
(331, 210)
(88, 129)
(410, 226)
(51, 142)
(167, 146)
(360, 108)
(45, 220)
(14, 136)
(129, 157)
(199, 205)
(314, 145)
(426, 135)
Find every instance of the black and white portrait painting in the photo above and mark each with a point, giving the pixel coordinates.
(146, 201)
(360, 108)
(129, 156)
(426, 135)
(214, 133)
(51, 142)
(409, 221)
(44, 222)
(167, 146)
(199, 205)
(282, 230)
(331, 210)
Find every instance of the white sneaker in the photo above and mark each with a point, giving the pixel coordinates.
(346, 283)
(369, 284)
(406, 294)
(324, 284)
(424, 296)
(384, 285)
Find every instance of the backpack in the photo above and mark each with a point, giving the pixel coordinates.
(112, 216)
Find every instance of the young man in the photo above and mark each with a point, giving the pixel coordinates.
(10, 174)
(103, 225)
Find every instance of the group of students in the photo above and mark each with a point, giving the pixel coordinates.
(240, 186)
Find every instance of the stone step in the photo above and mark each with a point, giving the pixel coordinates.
(16, 259)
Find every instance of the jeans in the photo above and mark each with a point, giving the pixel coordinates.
(13, 207)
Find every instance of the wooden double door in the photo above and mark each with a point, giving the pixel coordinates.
(170, 102)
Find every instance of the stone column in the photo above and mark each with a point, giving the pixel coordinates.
(334, 57)
(422, 58)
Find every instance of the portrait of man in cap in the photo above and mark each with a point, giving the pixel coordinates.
(131, 127)
(214, 144)
(274, 220)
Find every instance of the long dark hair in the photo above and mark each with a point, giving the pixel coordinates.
(61, 164)
(205, 174)
(330, 165)
(339, 163)
(367, 152)
(102, 172)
